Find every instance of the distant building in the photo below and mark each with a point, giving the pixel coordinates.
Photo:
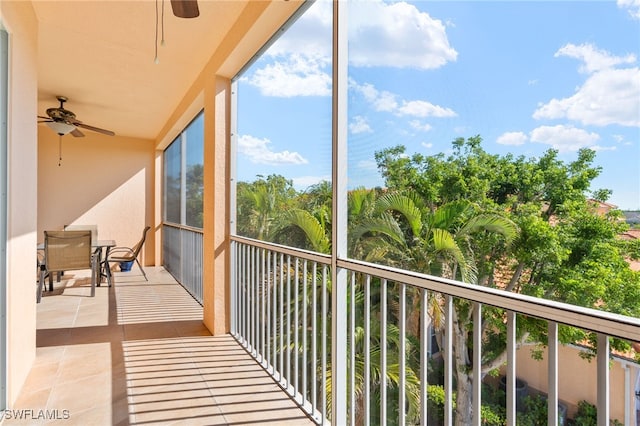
(603, 208)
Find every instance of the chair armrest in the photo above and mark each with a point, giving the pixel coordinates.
(119, 252)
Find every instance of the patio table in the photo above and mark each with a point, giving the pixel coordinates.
(98, 246)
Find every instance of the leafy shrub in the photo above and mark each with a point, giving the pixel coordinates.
(535, 412)
(435, 408)
(587, 415)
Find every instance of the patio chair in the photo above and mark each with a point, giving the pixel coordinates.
(92, 228)
(127, 254)
(66, 251)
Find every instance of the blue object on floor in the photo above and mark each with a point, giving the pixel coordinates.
(126, 266)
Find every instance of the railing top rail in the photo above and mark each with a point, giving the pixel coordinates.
(183, 227)
(305, 254)
(614, 325)
(608, 323)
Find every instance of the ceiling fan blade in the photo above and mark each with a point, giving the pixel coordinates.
(95, 129)
(45, 121)
(185, 8)
(45, 118)
(77, 133)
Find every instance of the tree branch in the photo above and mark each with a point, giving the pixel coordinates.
(502, 357)
(516, 277)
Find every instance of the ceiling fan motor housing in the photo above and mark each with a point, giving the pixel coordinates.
(60, 114)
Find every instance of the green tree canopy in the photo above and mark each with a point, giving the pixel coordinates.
(564, 249)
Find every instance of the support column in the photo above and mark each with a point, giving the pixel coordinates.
(216, 200)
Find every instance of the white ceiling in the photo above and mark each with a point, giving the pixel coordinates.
(100, 55)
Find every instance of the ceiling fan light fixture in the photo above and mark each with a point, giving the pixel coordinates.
(60, 127)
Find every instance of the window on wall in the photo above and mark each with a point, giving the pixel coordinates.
(172, 181)
(183, 176)
(284, 136)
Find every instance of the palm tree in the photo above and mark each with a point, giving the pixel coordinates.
(370, 226)
(442, 243)
(398, 229)
(260, 202)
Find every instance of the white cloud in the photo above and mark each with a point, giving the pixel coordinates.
(310, 35)
(367, 165)
(379, 100)
(304, 182)
(603, 148)
(565, 138)
(594, 59)
(512, 138)
(300, 60)
(297, 75)
(392, 34)
(259, 152)
(396, 34)
(424, 109)
(633, 6)
(359, 125)
(427, 145)
(607, 97)
(416, 124)
(384, 101)
(620, 140)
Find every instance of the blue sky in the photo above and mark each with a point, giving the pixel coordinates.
(525, 76)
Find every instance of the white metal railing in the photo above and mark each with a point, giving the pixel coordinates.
(281, 313)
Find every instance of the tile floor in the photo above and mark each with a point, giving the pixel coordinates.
(138, 354)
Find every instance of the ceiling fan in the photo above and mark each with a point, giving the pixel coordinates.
(63, 121)
(185, 8)
(181, 9)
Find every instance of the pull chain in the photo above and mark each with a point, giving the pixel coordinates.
(162, 41)
(59, 150)
(156, 60)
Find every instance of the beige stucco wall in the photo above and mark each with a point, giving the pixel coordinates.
(577, 379)
(20, 22)
(102, 180)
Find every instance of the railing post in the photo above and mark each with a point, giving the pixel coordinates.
(383, 352)
(511, 368)
(234, 288)
(402, 354)
(339, 212)
(603, 379)
(425, 336)
(477, 364)
(448, 361)
(367, 350)
(552, 342)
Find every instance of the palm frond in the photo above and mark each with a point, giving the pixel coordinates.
(492, 223)
(404, 205)
(384, 225)
(312, 228)
(448, 214)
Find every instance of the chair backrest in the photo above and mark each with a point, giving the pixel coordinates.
(92, 228)
(67, 250)
(136, 249)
